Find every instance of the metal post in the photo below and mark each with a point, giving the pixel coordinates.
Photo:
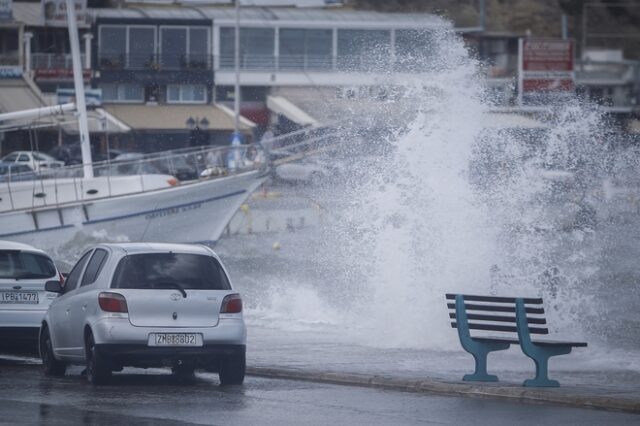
(83, 126)
(520, 71)
(236, 98)
(27, 51)
(87, 50)
(583, 48)
(565, 31)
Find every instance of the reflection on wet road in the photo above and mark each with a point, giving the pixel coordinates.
(155, 397)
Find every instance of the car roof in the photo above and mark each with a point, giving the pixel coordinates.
(13, 245)
(134, 248)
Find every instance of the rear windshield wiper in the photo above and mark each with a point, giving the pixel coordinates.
(174, 285)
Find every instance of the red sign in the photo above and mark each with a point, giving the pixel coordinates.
(547, 55)
(59, 74)
(545, 71)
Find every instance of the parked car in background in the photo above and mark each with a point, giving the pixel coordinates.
(145, 305)
(12, 172)
(38, 161)
(307, 171)
(24, 271)
(71, 154)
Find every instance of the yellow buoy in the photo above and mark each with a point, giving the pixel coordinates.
(276, 246)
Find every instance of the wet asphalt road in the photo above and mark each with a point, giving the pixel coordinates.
(155, 397)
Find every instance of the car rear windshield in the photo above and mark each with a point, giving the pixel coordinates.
(170, 271)
(18, 265)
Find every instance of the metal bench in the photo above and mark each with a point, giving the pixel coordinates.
(488, 314)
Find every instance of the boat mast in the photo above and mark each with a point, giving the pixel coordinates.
(236, 89)
(83, 126)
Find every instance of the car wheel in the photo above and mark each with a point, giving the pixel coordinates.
(52, 367)
(98, 371)
(232, 370)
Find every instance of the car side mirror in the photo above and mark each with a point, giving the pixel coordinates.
(53, 286)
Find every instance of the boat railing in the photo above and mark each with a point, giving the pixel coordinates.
(127, 174)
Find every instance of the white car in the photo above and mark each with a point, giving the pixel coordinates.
(24, 270)
(306, 171)
(145, 305)
(38, 161)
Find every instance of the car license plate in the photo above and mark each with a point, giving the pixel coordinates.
(175, 339)
(30, 297)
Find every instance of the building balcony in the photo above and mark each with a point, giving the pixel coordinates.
(154, 62)
(47, 61)
(9, 59)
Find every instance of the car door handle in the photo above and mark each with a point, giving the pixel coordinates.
(68, 309)
(84, 307)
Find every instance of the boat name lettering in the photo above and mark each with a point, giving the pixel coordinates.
(172, 210)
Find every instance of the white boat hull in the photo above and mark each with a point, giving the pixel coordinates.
(195, 212)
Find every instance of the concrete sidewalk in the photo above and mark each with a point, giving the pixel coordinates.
(585, 380)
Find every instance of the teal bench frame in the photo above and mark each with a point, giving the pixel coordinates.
(519, 328)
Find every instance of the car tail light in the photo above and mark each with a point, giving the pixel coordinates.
(231, 304)
(112, 302)
(173, 182)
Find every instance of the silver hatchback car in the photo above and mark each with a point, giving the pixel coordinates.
(145, 305)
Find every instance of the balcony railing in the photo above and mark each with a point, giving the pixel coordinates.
(9, 59)
(341, 63)
(53, 61)
(155, 62)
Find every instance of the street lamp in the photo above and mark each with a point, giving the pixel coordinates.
(198, 131)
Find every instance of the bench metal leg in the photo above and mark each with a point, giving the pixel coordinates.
(480, 374)
(540, 357)
(480, 353)
(542, 374)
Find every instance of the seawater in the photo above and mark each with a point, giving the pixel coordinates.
(450, 197)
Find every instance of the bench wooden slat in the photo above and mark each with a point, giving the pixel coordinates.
(498, 318)
(495, 299)
(494, 308)
(559, 343)
(504, 328)
(513, 340)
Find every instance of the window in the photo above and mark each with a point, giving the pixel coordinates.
(112, 92)
(257, 47)
(94, 267)
(170, 271)
(414, 47)
(11, 157)
(131, 46)
(300, 48)
(184, 47)
(363, 49)
(23, 157)
(20, 264)
(142, 47)
(74, 276)
(113, 45)
(186, 93)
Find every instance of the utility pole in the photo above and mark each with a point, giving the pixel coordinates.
(236, 97)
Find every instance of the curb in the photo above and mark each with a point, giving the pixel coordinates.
(501, 392)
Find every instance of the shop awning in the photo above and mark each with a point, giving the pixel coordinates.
(99, 121)
(17, 95)
(281, 105)
(174, 117)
